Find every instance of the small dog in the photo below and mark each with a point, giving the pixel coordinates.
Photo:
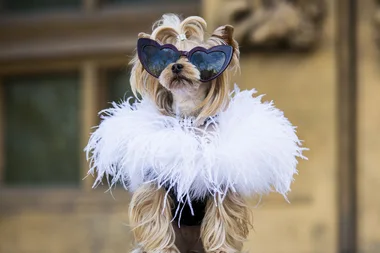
(181, 90)
(190, 149)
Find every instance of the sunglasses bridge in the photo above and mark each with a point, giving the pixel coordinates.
(184, 53)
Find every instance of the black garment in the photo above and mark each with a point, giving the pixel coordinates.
(187, 219)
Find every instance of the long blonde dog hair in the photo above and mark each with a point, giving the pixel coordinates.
(226, 224)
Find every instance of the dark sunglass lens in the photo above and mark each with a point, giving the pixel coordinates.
(155, 60)
(209, 64)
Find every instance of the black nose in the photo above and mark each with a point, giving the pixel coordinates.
(176, 68)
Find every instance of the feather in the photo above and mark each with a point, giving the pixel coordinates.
(250, 148)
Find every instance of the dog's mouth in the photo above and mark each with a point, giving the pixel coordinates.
(179, 81)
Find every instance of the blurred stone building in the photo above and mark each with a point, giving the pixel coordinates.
(61, 61)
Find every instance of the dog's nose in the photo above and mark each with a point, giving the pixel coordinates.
(176, 68)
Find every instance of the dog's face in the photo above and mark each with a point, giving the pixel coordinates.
(182, 77)
(179, 90)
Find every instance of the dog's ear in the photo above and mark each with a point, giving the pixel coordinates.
(226, 33)
(143, 35)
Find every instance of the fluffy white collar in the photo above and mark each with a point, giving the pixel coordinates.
(250, 148)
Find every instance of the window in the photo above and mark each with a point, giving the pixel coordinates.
(33, 5)
(42, 130)
(118, 87)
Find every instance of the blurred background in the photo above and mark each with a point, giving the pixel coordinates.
(61, 61)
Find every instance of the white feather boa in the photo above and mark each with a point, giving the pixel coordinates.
(250, 148)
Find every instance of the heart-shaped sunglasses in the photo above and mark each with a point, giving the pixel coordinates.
(210, 62)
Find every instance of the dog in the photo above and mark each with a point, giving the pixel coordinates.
(190, 150)
(179, 92)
